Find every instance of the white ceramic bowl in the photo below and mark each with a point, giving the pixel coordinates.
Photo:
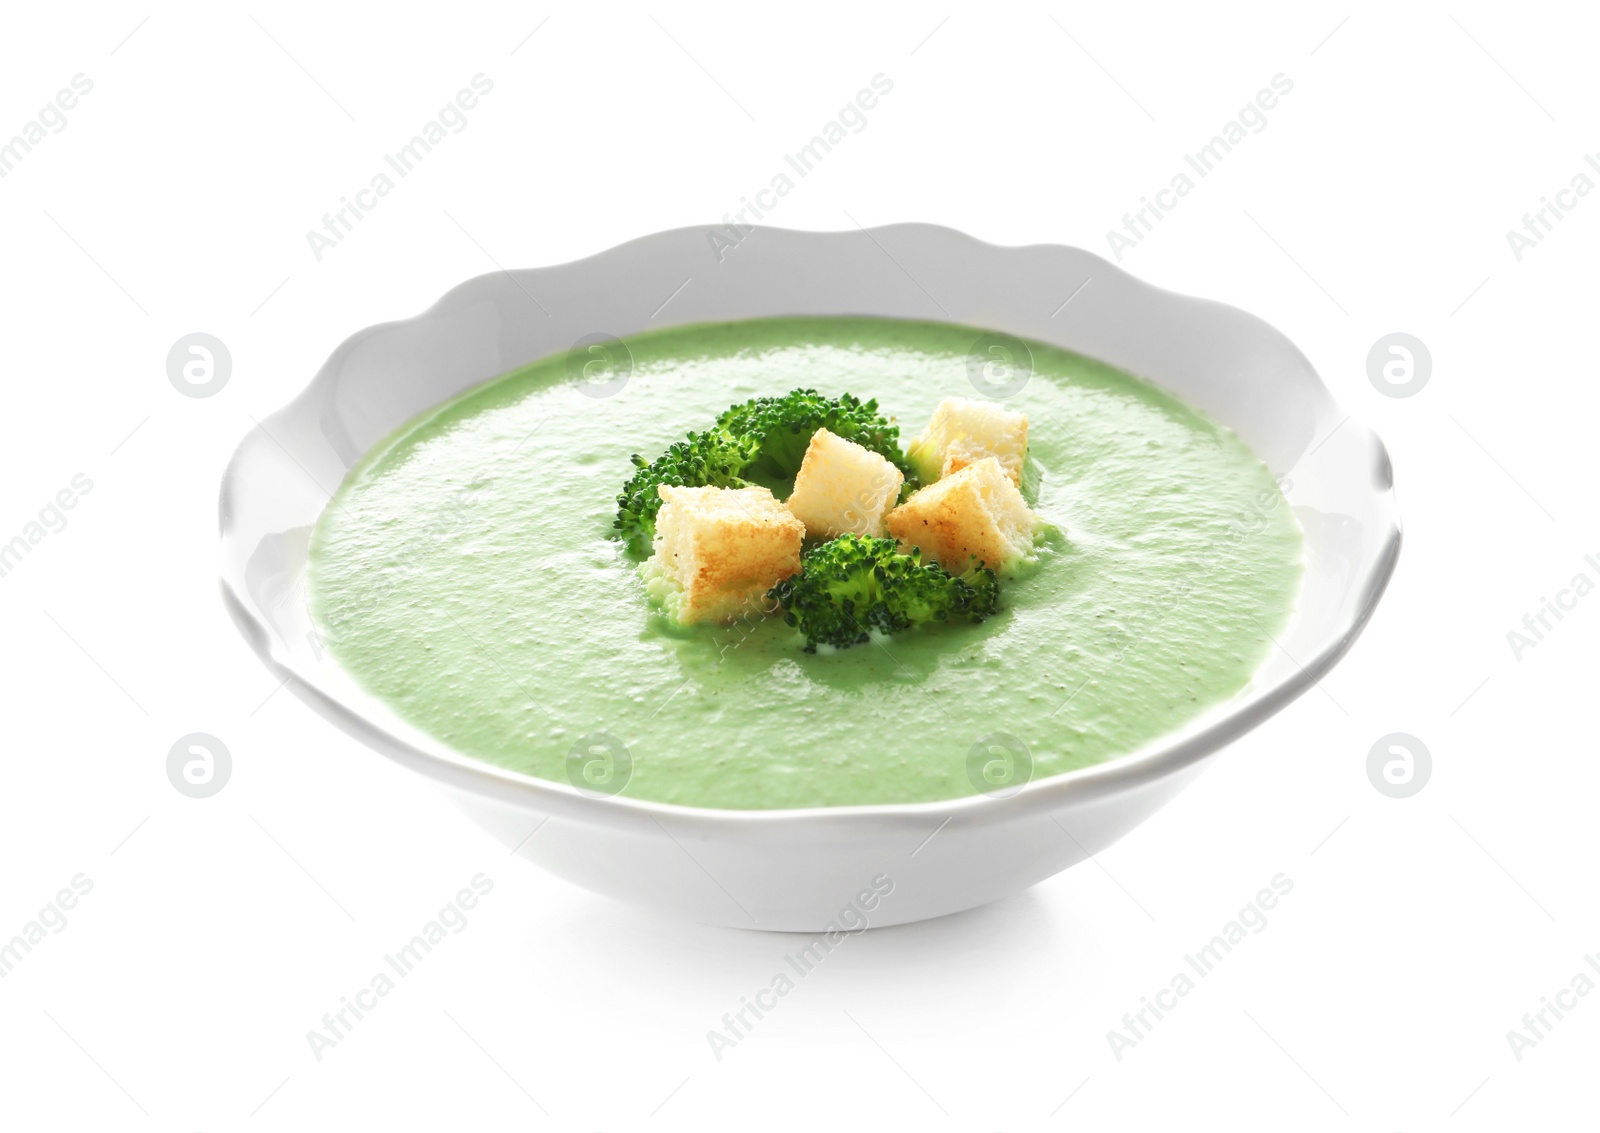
(797, 869)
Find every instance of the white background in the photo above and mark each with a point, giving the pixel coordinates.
(219, 931)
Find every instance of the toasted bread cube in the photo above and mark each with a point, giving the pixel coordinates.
(963, 432)
(718, 551)
(976, 513)
(843, 488)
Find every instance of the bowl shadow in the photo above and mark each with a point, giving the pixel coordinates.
(962, 964)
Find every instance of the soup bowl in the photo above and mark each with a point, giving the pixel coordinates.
(831, 869)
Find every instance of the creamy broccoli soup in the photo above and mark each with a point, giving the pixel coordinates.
(468, 575)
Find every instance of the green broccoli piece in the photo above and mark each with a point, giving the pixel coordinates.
(852, 585)
(760, 442)
(710, 459)
(780, 428)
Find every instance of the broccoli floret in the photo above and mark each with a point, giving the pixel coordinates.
(852, 585)
(761, 442)
(780, 428)
(710, 459)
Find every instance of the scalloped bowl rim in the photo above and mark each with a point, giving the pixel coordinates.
(1169, 753)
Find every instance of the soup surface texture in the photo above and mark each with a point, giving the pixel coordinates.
(465, 575)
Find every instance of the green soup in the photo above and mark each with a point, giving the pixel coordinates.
(464, 574)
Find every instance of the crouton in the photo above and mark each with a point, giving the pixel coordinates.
(843, 488)
(976, 513)
(963, 432)
(718, 551)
